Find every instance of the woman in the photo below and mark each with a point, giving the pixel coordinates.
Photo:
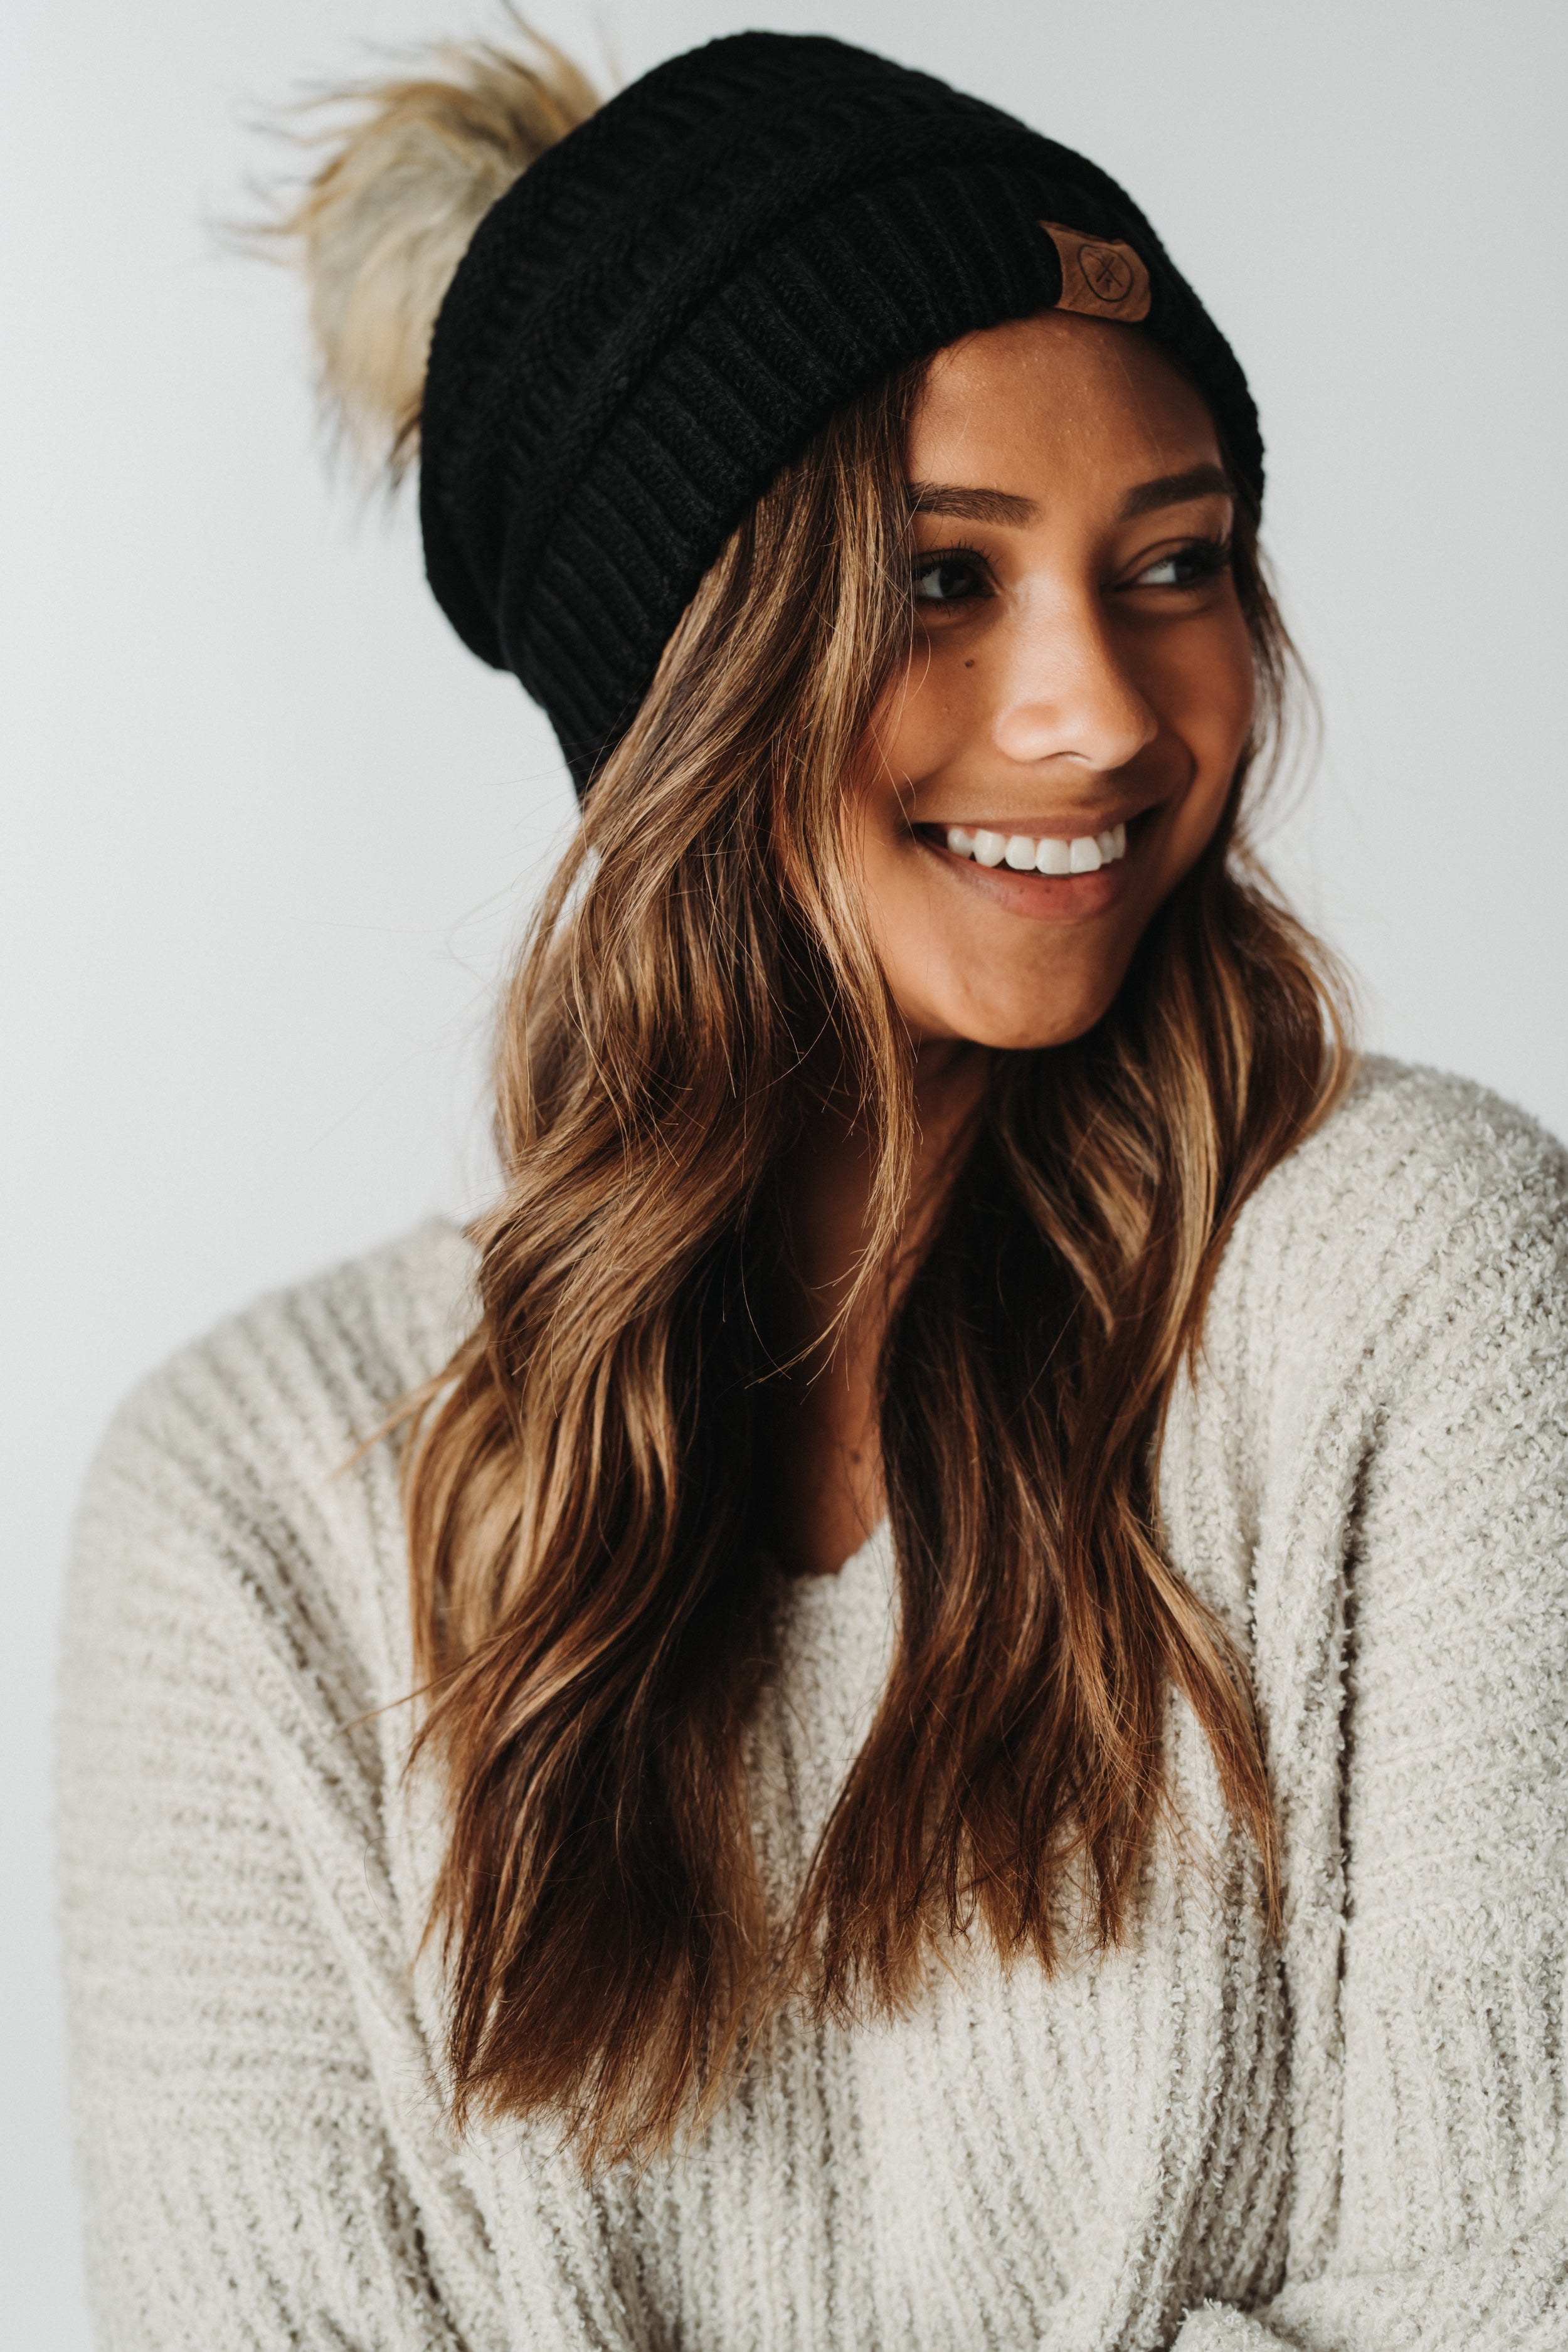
(916, 1700)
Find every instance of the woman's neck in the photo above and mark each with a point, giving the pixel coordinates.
(821, 1415)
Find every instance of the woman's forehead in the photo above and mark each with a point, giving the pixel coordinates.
(1049, 396)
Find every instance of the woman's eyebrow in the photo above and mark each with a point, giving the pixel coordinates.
(1175, 489)
(963, 505)
(969, 506)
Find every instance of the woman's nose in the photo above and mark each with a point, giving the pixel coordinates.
(1065, 691)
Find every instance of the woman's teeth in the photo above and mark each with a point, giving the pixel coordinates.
(1026, 855)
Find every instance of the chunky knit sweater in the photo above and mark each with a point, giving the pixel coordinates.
(1353, 2137)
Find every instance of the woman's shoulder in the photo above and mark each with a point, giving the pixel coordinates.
(1425, 1130)
(1418, 1194)
(253, 1475)
(312, 1369)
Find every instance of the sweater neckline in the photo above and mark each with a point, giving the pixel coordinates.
(844, 1624)
(870, 1563)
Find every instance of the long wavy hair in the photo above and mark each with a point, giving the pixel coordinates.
(590, 1606)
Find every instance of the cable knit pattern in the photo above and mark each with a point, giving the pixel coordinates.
(1350, 2140)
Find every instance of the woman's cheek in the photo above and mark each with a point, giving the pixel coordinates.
(929, 718)
(1212, 702)
(1232, 683)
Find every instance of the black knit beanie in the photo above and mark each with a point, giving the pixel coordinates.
(664, 309)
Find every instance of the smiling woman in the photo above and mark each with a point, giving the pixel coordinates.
(911, 1700)
(1083, 688)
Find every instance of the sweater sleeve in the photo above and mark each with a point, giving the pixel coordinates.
(1452, 2223)
(260, 2148)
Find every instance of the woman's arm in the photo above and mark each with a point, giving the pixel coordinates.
(261, 2148)
(1452, 2225)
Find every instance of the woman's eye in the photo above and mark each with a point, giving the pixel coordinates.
(950, 580)
(1186, 567)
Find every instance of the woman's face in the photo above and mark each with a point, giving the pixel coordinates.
(1080, 687)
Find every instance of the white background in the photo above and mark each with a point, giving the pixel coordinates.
(267, 827)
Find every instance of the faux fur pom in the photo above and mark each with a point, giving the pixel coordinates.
(382, 225)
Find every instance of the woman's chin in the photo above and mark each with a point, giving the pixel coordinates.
(1020, 1019)
(1014, 1030)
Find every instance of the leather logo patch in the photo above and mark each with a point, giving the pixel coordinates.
(1102, 277)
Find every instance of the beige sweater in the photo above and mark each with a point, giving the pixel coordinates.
(1355, 2140)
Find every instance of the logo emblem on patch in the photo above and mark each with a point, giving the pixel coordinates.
(1102, 277)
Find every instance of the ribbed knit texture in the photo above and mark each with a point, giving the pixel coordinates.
(1356, 2143)
(667, 306)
